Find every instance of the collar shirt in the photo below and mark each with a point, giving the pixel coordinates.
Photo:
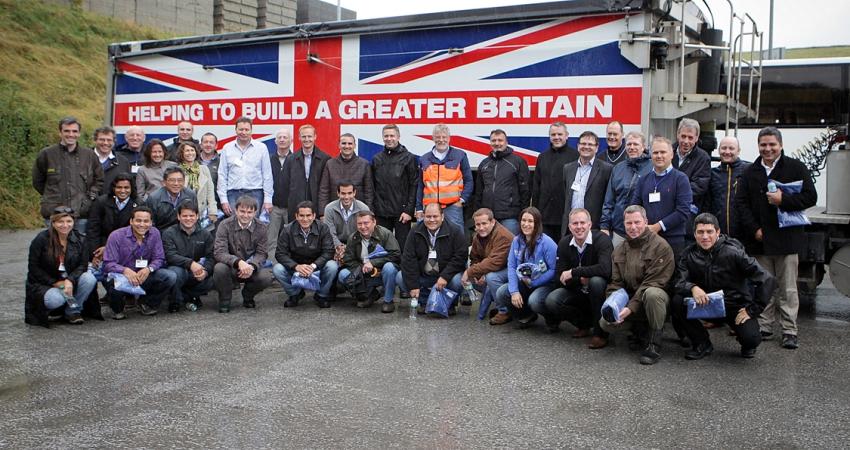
(580, 184)
(245, 169)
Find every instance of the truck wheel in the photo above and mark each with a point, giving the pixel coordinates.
(839, 270)
(807, 290)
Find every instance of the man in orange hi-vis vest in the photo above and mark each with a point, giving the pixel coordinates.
(445, 178)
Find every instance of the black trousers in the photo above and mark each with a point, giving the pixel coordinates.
(581, 309)
(400, 230)
(748, 333)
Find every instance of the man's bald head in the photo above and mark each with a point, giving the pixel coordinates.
(729, 149)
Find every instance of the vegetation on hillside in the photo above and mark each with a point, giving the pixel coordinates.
(53, 61)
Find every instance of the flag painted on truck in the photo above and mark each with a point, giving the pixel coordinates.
(519, 77)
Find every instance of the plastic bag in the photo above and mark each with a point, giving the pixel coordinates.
(439, 301)
(714, 309)
(122, 284)
(311, 283)
(614, 304)
(790, 218)
(379, 252)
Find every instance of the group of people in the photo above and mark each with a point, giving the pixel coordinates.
(653, 220)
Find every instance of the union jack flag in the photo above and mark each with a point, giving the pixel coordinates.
(518, 76)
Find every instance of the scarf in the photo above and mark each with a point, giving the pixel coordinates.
(193, 171)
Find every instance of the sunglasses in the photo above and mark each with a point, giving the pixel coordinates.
(63, 210)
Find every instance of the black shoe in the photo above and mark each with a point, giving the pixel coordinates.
(748, 353)
(147, 310)
(363, 302)
(684, 342)
(527, 321)
(224, 308)
(790, 342)
(388, 307)
(766, 335)
(249, 303)
(452, 310)
(650, 355)
(322, 302)
(700, 351)
(173, 307)
(403, 294)
(553, 326)
(197, 302)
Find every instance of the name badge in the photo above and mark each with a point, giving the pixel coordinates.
(576, 186)
(134, 168)
(141, 263)
(237, 162)
(654, 197)
(432, 254)
(62, 267)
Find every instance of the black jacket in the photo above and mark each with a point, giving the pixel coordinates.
(280, 176)
(594, 194)
(43, 272)
(351, 259)
(116, 165)
(164, 212)
(547, 192)
(293, 249)
(503, 184)
(726, 267)
(755, 212)
(595, 261)
(133, 158)
(301, 188)
(395, 175)
(697, 166)
(104, 218)
(451, 250)
(725, 180)
(182, 249)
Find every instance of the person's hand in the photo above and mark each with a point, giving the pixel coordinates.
(566, 276)
(414, 293)
(441, 283)
(700, 297)
(742, 316)
(68, 288)
(774, 198)
(226, 208)
(143, 274)
(625, 312)
(404, 218)
(304, 269)
(368, 267)
(458, 203)
(268, 207)
(464, 277)
(419, 215)
(132, 276)
(516, 300)
(759, 235)
(584, 281)
(655, 228)
(481, 281)
(97, 255)
(198, 271)
(339, 251)
(213, 218)
(607, 233)
(245, 270)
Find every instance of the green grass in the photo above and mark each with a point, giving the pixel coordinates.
(53, 61)
(818, 52)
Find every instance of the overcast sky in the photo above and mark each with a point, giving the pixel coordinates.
(797, 23)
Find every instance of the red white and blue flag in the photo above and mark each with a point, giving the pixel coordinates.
(519, 77)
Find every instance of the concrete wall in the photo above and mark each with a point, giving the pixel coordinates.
(319, 11)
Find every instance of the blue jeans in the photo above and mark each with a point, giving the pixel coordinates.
(234, 194)
(54, 298)
(327, 276)
(186, 285)
(529, 297)
(388, 278)
(158, 285)
(454, 215)
(511, 224)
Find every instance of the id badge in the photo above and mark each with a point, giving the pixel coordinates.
(237, 162)
(141, 263)
(576, 186)
(432, 254)
(654, 197)
(62, 267)
(134, 168)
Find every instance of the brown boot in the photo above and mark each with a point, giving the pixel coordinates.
(597, 342)
(581, 333)
(500, 319)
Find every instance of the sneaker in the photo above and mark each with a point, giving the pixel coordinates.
(699, 352)
(388, 307)
(75, 319)
(119, 316)
(766, 335)
(650, 355)
(147, 310)
(500, 318)
(790, 342)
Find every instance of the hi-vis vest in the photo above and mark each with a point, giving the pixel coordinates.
(442, 185)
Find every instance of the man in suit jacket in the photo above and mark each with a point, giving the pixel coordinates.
(585, 181)
(305, 171)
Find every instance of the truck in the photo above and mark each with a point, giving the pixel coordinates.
(584, 63)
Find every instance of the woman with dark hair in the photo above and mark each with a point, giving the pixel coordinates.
(149, 178)
(57, 279)
(198, 179)
(531, 266)
(110, 212)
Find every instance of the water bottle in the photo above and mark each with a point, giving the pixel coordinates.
(191, 306)
(542, 266)
(471, 293)
(414, 303)
(70, 301)
(771, 187)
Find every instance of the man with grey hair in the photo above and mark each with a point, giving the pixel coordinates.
(724, 184)
(643, 266)
(694, 162)
(131, 149)
(615, 151)
(280, 178)
(446, 179)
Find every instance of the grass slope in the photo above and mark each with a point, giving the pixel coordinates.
(53, 61)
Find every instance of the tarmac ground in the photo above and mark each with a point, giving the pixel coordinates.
(342, 377)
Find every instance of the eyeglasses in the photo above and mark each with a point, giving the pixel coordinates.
(63, 210)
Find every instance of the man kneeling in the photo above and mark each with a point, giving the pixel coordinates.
(719, 263)
(189, 254)
(373, 252)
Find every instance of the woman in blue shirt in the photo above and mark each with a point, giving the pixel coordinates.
(531, 267)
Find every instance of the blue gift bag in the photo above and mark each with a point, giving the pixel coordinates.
(714, 309)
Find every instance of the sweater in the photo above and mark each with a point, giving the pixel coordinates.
(673, 209)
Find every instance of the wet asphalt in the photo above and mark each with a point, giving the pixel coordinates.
(348, 378)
